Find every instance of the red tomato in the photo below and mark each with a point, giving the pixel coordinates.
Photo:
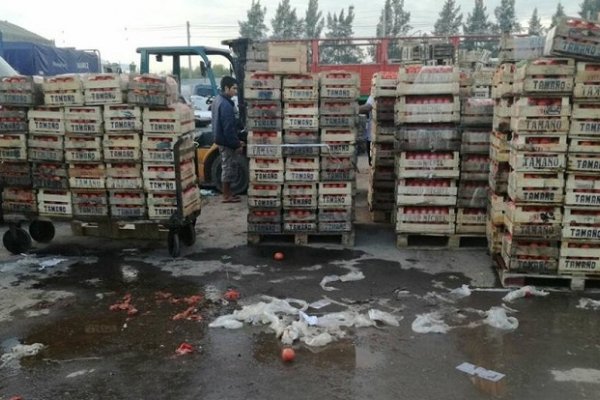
(288, 354)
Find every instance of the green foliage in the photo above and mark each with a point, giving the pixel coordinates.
(286, 25)
(313, 21)
(590, 9)
(254, 27)
(535, 24)
(393, 22)
(449, 21)
(477, 23)
(560, 12)
(506, 19)
(340, 51)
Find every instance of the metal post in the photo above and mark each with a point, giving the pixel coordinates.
(189, 57)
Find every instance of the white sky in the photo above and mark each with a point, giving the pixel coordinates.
(117, 27)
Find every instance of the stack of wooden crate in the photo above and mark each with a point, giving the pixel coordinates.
(514, 48)
(18, 195)
(502, 94)
(427, 112)
(264, 122)
(476, 121)
(302, 164)
(339, 118)
(538, 160)
(580, 249)
(382, 179)
(574, 37)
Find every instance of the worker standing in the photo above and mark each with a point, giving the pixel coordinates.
(226, 135)
(367, 109)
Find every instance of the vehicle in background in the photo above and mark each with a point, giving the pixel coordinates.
(171, 59)
(202, 110)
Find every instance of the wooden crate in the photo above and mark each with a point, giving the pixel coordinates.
(581, 223)
(301, 175)
(579, 257)
(541, 187)
(338, 163)
(87, 176)
(533, 214)
(530, 264)
(264, 228)
(264, 202)
(428, 165)
(13, 119)
(497, 209)
(264, 109)
(338, 107)
(83, 155)
(287, 57)
(383, 134)
(49, 120)
(498, 178)
(300, 189)
(475, 141)
(262, 80)
(301, 109)
(264, 150)
(541, 107)
(424, 220)
(122, 118)
(547, 143)
(426, 192)
(524, 247)
(338, 175)
(573, 37)
(122, 146)
(262, 215)
(472, 194)
(475, 163)
(273, 124)
(546, 66)
(427, 109)
(126, 198)
(304, 122)
(308, 80)
(15, 174)
(46, 148)
(477, 112)
(168, 171)
(583, 191)
(49, 175)
(295, 215)
(265, 137)
(546, 85)
(437, 137)
(471, 220)
(302, 163)
(339, 78)
(64, 98)
(335, 200)
(336, 214)
(335, 226)
(176, 119)
(54, 203)
(584, 163)
(90, 203)
(301, 137)
(338, 148)
(264, 190)
(494, 235)
(584, 127)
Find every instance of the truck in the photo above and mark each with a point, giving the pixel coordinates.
(39, 59)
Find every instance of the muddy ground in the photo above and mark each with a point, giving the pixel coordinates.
(88, 351)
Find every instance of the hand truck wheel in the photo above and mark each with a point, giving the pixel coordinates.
(187, 234)
(42, 231)
(173, 243)
(16, 240)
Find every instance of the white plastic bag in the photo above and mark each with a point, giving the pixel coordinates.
(318, 340)
(386, 318)
(525, 291)
(497, 318)
(459, 293)
(430, 323)
(589, 304)
(227, 322)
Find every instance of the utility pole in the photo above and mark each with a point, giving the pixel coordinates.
(384, 22)
(189, 57)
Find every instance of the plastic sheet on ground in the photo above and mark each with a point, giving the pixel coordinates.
(459, 293)
(19, 351)
(525, 291)
(288, 320)
(497, 318)
(589, 304)
(430, 323)
(350, 276)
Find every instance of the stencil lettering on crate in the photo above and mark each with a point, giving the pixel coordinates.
(587, 199)
(585, 233)
(544, 124)
(265, 202)
(550, 85)
(577, 48)
(10, 153)
(266, 176)
(591, 91)
(128, 212)
(7, 126)
(593, 164)
(16, 98)
(539, 196)
(62, 98)
(46, 125)
(541, 162)
(589, 127)
(537, 230)
(55, 209)
(84, 182)
(162, 185)
(123, 124)
(533, 265)
(581, 265)
(102, 96)
(123, 154)
(299, 227)
(83, 128)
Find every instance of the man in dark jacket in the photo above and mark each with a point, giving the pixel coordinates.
(226, 135)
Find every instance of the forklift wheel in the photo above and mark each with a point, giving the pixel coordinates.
(173, 244)
(17, 240)
(187, 234)
(240, 185)
(42, 231)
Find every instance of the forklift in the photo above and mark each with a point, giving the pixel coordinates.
(208, 161)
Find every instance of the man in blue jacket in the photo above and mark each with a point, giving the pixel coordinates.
(226, 135)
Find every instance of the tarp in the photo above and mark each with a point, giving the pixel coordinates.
(37, 59)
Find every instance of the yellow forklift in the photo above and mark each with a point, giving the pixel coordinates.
(170, 59)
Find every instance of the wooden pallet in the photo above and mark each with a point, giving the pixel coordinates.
(304, 239)
(440, 241)
(510, 279)
(142, 230)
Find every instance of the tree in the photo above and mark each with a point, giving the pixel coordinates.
(254, 27)
(590, 9)
(340, 51)
(450, 20)
(393, 22)
(506, 17)
(560, 12)
(313, 21)
(286, 25)
(477, 23)
(535, 25)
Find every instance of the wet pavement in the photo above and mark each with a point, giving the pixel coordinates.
(92, 352)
